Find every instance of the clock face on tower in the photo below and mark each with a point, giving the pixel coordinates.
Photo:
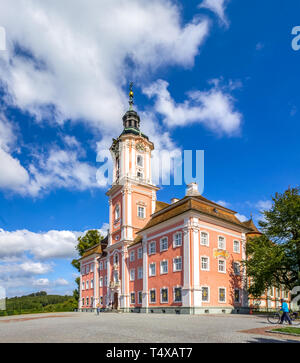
(140, 147)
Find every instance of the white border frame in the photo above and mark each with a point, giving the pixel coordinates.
(201, 244)
(222, 302)
(203, 269)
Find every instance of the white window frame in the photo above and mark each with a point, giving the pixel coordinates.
(160, 244)
(140, 275)
(164, 302)
(207, 239)
(208, 263)
(152, 302)
(161, 267)
(83, 285)
(87, 284)
(222, 259)
(174, 294)
(150, 264)
(132, 271)
(152, 243)
(92, 283)
(105, 280)
(224, 243)
(239, 246)
(87, 269)
(132, 256)
(222, 302)
(143, 216)
(174, 239)
(101, 281)
(101, 266)
(140, 253)
(208, 293)
(174, 264)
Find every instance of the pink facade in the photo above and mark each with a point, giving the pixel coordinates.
(183, 257)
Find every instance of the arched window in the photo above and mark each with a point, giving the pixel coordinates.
(117, 212)
(140, 160)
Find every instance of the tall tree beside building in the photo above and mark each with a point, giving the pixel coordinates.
(273, 259)
(90, 239)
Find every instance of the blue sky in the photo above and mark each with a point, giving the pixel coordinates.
(213, 75)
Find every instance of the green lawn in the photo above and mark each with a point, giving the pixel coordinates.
(291, 330)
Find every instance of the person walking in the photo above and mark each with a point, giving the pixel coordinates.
(98, 309)
(285, 314)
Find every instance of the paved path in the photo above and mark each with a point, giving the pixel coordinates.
(144, 328)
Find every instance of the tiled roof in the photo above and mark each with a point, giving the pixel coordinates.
(160, 205)
(138, 239)
(249, 224)
(197, 203)
(98, 248)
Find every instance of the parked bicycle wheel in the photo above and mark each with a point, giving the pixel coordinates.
(274, 318)
(295, 317)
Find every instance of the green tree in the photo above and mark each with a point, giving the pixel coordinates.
(90, 239)
(273, 259)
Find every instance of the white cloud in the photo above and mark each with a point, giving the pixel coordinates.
(75, 56)
(61, 282)
(36, 268)
(213, 108)
(241, 217)
(264, 205)
(218, 7)
(41, 282)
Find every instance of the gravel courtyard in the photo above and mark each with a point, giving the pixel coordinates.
(143, 328)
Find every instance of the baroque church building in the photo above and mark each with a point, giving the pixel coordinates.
(182, 257)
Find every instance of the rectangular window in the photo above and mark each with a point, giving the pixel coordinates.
(222, 295)
(177, 264)
(177, 239)
(141, 212)
(101, 281)
(236, 246)
(236, 295)
(87, 269)
(105, 265)
(177, 294)
(140, 272)
(222, 266)
(92, 284)
(132, 256)
(82, 285)
(164, 295)
(236, 268)
(140, 297)
(87, 301)
(204, 263)
(163, 267)
(164, 244)
(132, 275)
(105, 281)
(83, 301)
(152, 296)
(205, 294)
(152, 268)
(87, 284)
(204, 239)
(152, 248)
(221, 243)
(101, 266)
(140, 253)
(101, 300)
(132, 298)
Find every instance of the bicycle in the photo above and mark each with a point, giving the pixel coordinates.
(275, 318)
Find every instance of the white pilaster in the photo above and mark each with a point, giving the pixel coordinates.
(196, 268)
(145, 301)
(186, 290)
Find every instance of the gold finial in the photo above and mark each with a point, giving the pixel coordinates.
(131, 103)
